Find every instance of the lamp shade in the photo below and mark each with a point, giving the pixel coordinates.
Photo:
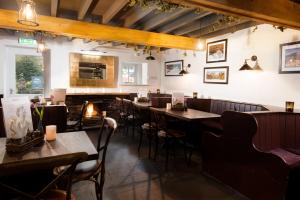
(27, 13)
(183, 72)
(150, 57)
(257, 67)
(245, 66)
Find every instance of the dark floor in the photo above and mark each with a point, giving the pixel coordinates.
(133, 177)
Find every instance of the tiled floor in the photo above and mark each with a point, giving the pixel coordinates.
(133, 177)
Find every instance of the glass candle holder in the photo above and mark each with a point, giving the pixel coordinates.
(158, 91)
(195, 95)
(289, 106)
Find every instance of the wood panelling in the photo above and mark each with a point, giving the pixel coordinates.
(109, 61)
(72, 28)
(277, 130)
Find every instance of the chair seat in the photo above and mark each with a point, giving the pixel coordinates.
(83, 170)
(147, 126)
(171, 133)
(71, 123)
(213, 126)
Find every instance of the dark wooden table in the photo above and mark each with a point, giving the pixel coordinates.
(188, 115)
(65, 144)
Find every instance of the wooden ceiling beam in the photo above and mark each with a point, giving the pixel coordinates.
(54, 7)
(196, 25)
(84, 8)
(232, 29)
(215, 27)
(190, 17)
(92, 31)
(162, 18)
(137, 14)
(278, 12)
(115, 7)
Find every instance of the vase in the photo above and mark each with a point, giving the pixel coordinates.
(40, 126)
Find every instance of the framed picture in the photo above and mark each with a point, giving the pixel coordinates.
(216, 51)
(173, 68)
(289, 58)
(217, 75)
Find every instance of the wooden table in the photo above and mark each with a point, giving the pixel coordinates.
(188, 115)
(65, 144)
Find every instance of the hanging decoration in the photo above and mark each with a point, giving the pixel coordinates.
(27, 13)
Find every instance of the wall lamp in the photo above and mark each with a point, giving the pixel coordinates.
(248, 67)
(185, 70)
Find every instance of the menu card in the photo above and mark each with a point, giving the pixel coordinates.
(178, 99)
(17, 117)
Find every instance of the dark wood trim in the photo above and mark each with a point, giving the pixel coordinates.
(227, 77)
(209, 43)
(280, 58)
(171, 62)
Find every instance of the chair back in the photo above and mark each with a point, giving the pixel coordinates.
(108, 128)
(141, 114)
(239, 130)
(31, 166)
(128, 107)
(119, 104)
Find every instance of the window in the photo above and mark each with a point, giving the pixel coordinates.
(134, 73)
(29, 74)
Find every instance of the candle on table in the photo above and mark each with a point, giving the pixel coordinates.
(50, 132)
(169, 105)
(289, 106)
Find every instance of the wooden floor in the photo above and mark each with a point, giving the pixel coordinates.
(133, 177)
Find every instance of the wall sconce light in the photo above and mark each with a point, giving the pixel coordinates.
(184, 70)
(248, 67)
(27, 14)
(289, 106)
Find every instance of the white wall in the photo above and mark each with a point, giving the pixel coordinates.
(60, 50)
(267, 87)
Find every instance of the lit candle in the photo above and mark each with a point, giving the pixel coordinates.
(135, 99)
(289, 106)
(169, 105)
(50, 132)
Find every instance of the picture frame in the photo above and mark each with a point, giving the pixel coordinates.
(289, 62)
(216, 75)
(216, 51)
(173, 68)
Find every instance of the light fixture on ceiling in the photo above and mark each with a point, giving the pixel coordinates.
(185, 70)
(248, 67)
(27, 13)
(200, 45)
(150, 57)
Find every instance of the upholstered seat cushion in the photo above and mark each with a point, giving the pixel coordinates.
(147, 126)
(214, 126)
(83, 170)
(171, 133)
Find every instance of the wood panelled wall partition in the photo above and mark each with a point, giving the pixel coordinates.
(277, 130)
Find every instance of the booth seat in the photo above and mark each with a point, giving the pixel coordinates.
(219, 106)
(232, 158)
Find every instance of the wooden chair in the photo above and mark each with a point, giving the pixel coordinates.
(11, 172)
(94, 169)
(169, 134)
(77, 123)
(128, 115)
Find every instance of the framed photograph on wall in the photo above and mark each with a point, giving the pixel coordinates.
(289, 58)
(173, 68)
(218, 75)
(216, 51)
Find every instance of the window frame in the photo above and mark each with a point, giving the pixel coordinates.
(140, 64)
